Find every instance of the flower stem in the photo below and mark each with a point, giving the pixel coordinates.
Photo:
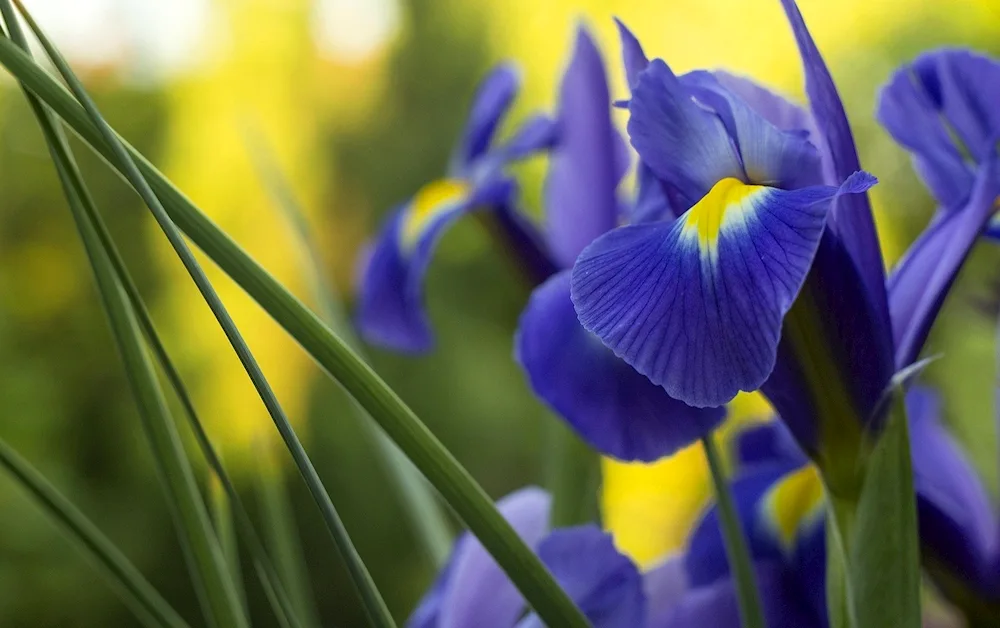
(740, 564)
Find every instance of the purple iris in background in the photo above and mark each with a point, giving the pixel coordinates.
(610, 405)
(473, 592)
(943, 109)
(391, 305)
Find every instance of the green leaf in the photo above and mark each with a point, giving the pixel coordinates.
(454, 483)
(884, 550)
(375, 607)
(422, 506)
(122, 575)
(740, 564)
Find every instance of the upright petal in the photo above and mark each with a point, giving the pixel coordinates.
(612, 407)
(605, 585)
(391, 305)
(851, 218)
(583, 174)
(492, 100)
(478, 593)
(697, 305)
(633, 57)
(683, 143)
(922, 280)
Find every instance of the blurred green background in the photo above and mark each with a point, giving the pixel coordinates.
(360, 101)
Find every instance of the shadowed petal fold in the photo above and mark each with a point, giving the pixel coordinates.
(697, 305)
(612, 407)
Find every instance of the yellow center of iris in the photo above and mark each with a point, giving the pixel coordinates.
(796, 499)
(427, 204)
(706, 218)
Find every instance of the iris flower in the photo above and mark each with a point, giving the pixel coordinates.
(472, 591)
(610, 405)
(391, 305)
(771, 275)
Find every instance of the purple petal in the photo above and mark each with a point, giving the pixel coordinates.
(851, 217)
(612, 407)
(492, 100)
(391, 301)
(920, 283)
(697, 305)
(775, 109)
(910, 113)
(537, 133)
(479, 594)
(633, 57)
(583, 175)
(605, 585)
(666, 585)
(770, 156)
(684, 144)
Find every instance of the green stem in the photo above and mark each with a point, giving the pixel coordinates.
(740, 564)
(426, 452)
(839, 593)
(375, 607)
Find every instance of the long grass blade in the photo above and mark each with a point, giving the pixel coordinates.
(425, 514)
(427, 453)
(375, 607)
(204, 558)
(740, 565)
(123, 576)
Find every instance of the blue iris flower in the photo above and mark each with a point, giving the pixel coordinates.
(391, 305)
(611, 406)
(473, 592)
(767, 272)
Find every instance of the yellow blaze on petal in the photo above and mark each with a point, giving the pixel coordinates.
(726, 200)
(430, 202)
(795, 500)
